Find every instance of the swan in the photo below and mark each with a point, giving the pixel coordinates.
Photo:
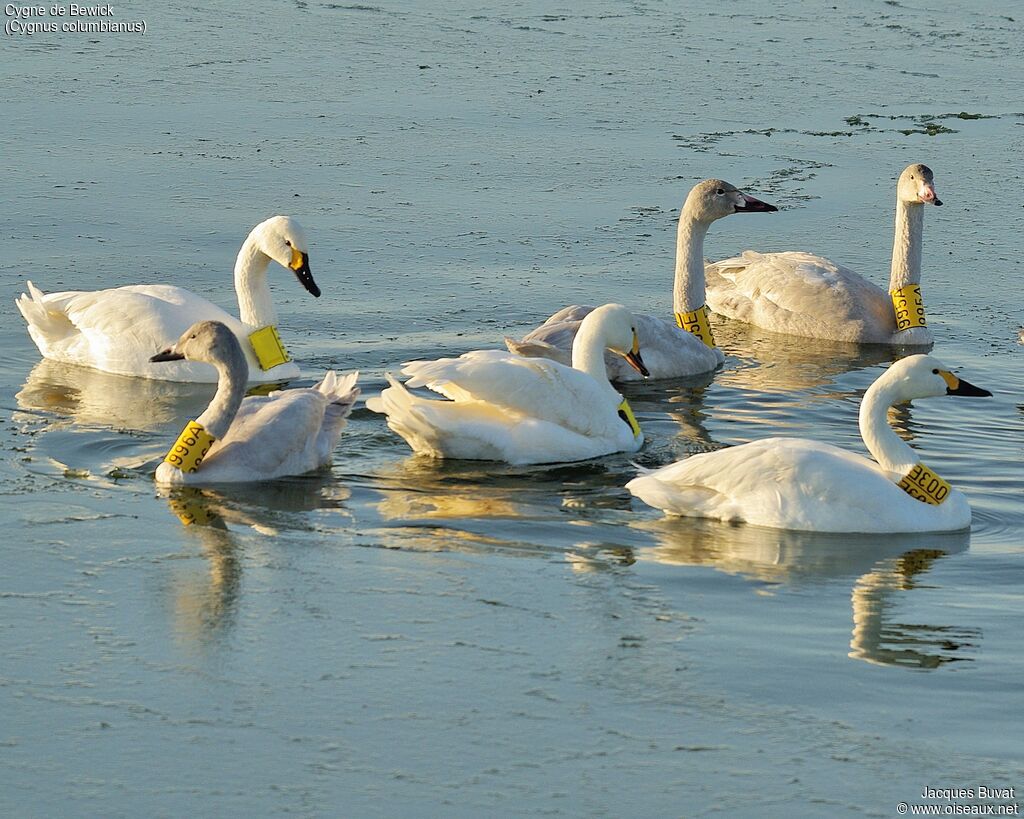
(506, 407)
(794, 483)
(668, 352)
(117, 330)
(254, 438)
(806, 295)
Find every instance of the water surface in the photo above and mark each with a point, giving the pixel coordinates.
(401, 637)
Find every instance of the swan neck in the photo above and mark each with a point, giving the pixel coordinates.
(588, 355)
(906, 246)
(688, 291)
(892, 453)
(255, 306)
(232, 375)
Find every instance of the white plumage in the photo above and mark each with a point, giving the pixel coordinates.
(794, 483)
(802, 294)
(505, 407)
(117, 330)
(669, 351)
(288, 432)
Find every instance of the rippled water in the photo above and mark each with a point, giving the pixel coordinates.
(401, 637)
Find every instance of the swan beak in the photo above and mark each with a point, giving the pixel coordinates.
(927, 194)
(634, 359)
(957, 386)
(300, 265)
(167, 355)
(752, 205)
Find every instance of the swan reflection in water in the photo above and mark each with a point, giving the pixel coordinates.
(885, 568)
(89, 397)
(205, 603)
(781, 364)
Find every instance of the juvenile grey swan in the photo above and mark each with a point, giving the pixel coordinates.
(257, 437)
(672, 349)
(806, 295)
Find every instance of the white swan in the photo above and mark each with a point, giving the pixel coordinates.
(254, 438)
(806, 295)
(505, 407)
(794, 483)
(672, 349)
(117, 330)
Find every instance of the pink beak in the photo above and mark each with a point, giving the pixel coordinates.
(927, 194)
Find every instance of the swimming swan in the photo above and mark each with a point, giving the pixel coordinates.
(117, 330)
(794, 483)
(806, 295)
(254, 438)
(505, 407)
(668, 351)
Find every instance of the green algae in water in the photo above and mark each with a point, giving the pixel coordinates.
(929, 129)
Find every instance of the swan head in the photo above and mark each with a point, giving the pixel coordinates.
(916, 186)
(618, 332)
(208, 341)
(283, 240)
(715, 198)
(924, 376)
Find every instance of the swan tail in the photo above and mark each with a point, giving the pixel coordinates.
(675, 499)
(46, 326)
(641, 470)
(406, 416)
(341, 393)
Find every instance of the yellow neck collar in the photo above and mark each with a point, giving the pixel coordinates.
(626, 414)
(267, 346)
(908, 307)
(924, 485)
(696, 322)
(190, 448)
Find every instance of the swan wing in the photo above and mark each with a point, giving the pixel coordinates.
(117, 330)
(271, 436)
(800, 294)
(522, 388)
(792, 484)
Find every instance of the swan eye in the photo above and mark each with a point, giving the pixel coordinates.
(289, 241)
(720, 192)
(911, 176)
(936, 372)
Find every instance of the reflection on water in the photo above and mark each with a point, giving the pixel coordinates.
(205, 604)
(775, 363)
(885, 567)
(878, 639)
(89, 397)
(93, 398)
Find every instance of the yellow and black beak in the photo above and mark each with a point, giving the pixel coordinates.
(300, 265)
(634, 359)
(957, 386)
(167, 355)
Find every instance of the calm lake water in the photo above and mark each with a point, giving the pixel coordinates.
(399, 637)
